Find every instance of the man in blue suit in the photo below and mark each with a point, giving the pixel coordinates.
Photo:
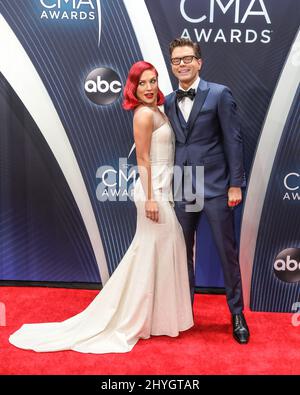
(204, 120)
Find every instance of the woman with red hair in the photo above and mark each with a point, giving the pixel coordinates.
(148, 294)
(143, 96)
(131, 101)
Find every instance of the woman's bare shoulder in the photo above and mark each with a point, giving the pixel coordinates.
(143, 116)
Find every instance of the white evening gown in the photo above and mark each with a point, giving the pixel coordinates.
(148, 293)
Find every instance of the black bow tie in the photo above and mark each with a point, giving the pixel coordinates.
(180, 94)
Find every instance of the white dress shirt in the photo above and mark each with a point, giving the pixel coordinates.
(185, 105)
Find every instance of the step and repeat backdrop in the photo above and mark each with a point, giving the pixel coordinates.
(66, 144)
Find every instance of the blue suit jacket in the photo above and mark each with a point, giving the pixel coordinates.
(211, 137)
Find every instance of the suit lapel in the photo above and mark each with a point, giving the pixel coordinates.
(200, 97)
(173, 117)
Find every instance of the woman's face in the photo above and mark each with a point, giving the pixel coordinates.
(147, 88)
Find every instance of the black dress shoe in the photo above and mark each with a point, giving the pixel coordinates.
(240, 328)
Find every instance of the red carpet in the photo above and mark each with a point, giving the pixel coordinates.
(208, 348)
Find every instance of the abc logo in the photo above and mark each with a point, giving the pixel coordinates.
(103, 86)
(287, 265)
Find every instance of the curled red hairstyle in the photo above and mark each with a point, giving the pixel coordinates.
(130, 101)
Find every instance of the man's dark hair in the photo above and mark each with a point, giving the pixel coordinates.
(183, 42)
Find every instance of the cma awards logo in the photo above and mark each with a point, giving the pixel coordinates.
(116, 184)
(74, 10)
(228, 10)
(287, 265)
(292, 186)
(103, 86)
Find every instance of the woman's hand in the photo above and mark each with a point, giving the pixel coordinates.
(234, 196)
(151, 209)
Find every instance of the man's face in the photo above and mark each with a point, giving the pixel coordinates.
(186, 73)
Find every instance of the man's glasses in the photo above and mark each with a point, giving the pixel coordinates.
(186, 60)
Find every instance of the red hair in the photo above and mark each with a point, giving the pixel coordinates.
(130, 101)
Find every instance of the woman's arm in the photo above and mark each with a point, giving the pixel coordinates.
(142, 130)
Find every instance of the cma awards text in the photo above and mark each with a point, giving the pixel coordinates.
(211, 12)
(292, 185)
(68, 9)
